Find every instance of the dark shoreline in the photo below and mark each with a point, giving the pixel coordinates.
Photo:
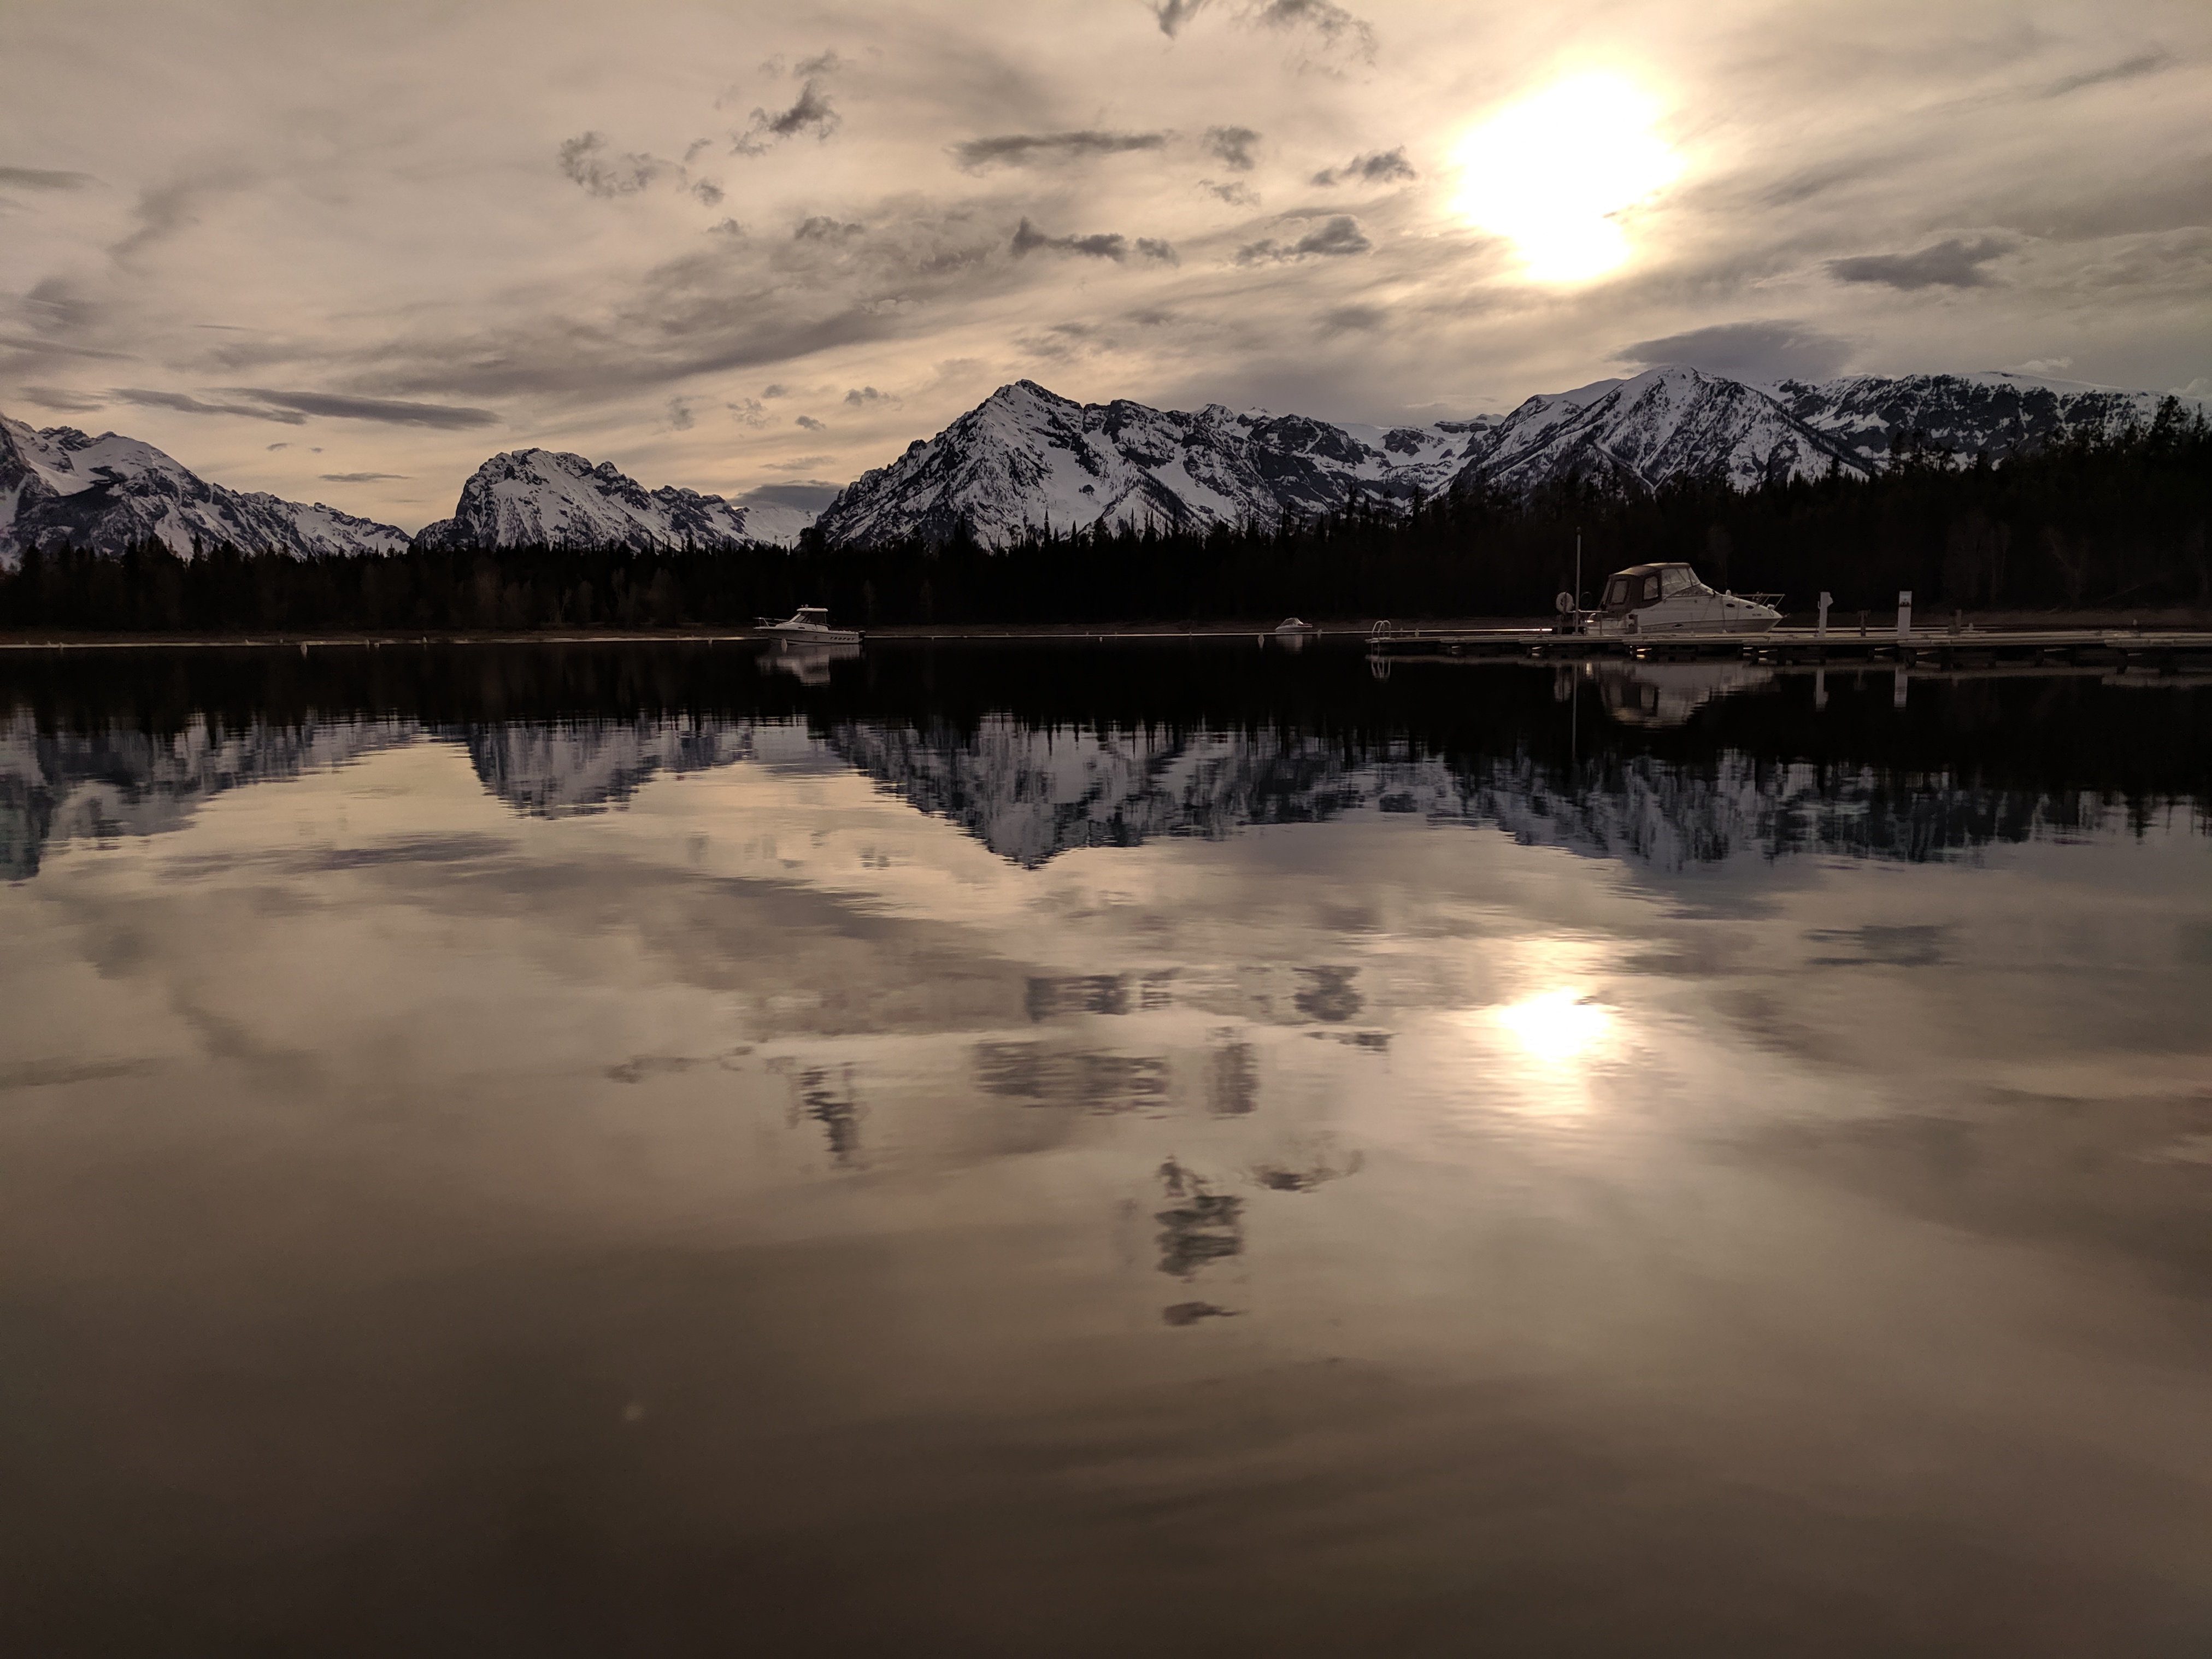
(2181, 618)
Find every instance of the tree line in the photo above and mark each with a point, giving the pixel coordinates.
(2090, 520)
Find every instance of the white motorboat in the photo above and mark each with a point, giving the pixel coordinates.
(1294, 625)
(809, 625)
(1668, 598)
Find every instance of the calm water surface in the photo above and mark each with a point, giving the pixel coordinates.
(1100, 1150)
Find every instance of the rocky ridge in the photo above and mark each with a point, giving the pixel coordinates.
(531, 497)
(112, 492)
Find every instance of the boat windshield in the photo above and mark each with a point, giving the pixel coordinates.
(1679, 579)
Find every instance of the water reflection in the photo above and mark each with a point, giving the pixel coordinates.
(1032, 791)
(1664, 694)
(608, 1150)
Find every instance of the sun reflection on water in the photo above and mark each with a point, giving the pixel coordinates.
(1558, 1026)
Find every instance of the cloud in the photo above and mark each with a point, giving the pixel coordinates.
(1954, 264)
(811, 497)
(1353, 320)
(165, 209)
(710, 192)
(1340, 235)
(2148, 63)
(1233, 145)
(1021, 148)
(1064, 343)
(1152, 248)
(2042, 366)
(1763, 351)
(829, 62)
(41, 179)
(799, 463)
(273, 448)
(809, 423)
(861, 396)
(1106, 244)
(750, 412)
(582, 159)
(821, 228)
(775, 392)
(1384, 168)
(444, 416)
(1175, 16)
(361, 477)
(59, 398)
(812, 112)
(1233, 193)
(680, 418)
(1334, 25)
(190, 405)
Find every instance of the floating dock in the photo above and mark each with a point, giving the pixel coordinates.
(2122, 648)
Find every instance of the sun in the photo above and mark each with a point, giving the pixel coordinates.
(1554, 170)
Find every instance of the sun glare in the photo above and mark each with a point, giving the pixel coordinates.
(1557, 1026)
(1554, 172)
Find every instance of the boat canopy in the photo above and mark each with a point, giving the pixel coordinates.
(1646, 584)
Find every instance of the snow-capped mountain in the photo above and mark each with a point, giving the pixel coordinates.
(109, 492)
(1674, 420)
(1640, 432)
(1025, 458)
(1992, 414)
(527, 497)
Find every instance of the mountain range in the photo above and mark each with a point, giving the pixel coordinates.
(1026, 459)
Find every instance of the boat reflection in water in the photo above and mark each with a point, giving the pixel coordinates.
(809, 661)
(1193, 1150)
(1666, 694)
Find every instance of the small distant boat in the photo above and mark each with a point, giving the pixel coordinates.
(809, 625)
(1668, 598)
(1294, 625)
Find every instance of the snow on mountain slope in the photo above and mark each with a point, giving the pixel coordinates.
(110, 491)
(1025, 458)
(1663, 423)
(530, 496)
(1991, 413)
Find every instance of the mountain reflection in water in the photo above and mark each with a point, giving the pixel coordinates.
(1192, 1150)
(1191, 751)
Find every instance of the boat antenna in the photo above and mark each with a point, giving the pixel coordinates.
(1579, 566)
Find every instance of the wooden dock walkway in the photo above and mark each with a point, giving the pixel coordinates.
(2167, 652)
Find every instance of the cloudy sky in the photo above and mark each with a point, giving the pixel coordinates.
(344, 253)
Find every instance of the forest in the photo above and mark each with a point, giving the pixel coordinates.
(2092, 521)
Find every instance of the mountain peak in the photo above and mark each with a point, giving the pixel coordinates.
(525, 497)
(1026, 458)
(112, 492)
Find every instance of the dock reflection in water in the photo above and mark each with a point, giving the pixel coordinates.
(1188, 1150)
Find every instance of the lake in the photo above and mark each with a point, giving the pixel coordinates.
(1069, 1148)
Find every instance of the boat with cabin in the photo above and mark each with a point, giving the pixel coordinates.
(1669, 598)
(809, 625)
